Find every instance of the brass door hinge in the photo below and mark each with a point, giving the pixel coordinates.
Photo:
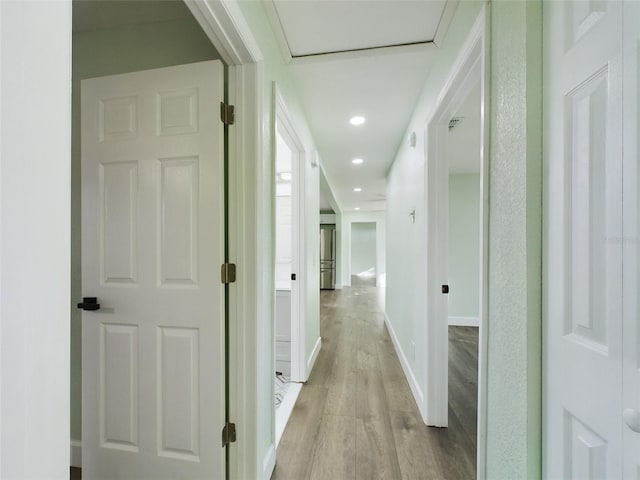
(227, 113)
(228, 434)
(228, 272)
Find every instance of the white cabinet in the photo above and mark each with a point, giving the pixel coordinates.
(283, 331)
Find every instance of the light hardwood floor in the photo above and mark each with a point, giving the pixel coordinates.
(356, 419)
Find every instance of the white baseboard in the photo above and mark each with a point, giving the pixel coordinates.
(269, 463)
(314, 355)
(338, 286)
(464, 321)
(283, 412)
(408, 372)
(76, 454)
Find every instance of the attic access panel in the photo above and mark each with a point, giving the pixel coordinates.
(320, 27)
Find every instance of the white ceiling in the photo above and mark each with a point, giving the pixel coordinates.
(381, 84)
(324, 26)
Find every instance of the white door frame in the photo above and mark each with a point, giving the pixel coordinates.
(470, 68)
(282, 122)
(249, 223)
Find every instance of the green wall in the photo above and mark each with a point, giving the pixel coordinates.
(464, 245)
(109, 52)
(514, 385)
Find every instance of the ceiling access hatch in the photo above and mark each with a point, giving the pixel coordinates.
(308, 28)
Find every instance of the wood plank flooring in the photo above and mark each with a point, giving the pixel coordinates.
(356, 418)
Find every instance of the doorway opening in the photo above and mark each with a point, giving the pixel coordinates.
(363, 254)
(456, 184)
(463, 265)
(289, 276)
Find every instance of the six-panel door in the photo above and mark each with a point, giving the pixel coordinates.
(152, 246)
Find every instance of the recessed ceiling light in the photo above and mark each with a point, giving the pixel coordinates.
(357, 120)
(357, 208)
(357, 189)
(357, 161)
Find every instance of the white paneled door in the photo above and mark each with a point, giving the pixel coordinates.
(591, 361)
(152, 246)
(631, 241)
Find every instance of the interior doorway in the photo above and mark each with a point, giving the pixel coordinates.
(456, 184)
(289, 276)
(463, 265)
(363, 254)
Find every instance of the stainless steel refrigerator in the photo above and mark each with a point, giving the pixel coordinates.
(327, 257)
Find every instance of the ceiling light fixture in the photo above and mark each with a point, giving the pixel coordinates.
(357, 189)
(357, 120)
(357, 208)
(357, 161)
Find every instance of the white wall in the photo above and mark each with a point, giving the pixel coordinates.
(464, 249)
(35, 160)
(363, 247)
(344, 244)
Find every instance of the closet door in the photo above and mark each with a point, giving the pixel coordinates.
(631, 263)
(583, 245)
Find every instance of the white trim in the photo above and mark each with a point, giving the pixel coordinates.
(445, 21)
(483, 334)
(226, 27)
(314, 356)
(269, 461)
(283, 412)
(283, 124)
(276, 27)
(408, 371)
(76, 453)
(464, 321)
(248, 225)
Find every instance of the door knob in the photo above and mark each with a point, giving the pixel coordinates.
(632, 418)
(89, 303)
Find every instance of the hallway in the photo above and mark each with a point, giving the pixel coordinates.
(356, 419)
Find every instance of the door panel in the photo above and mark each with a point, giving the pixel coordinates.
(582, 243)
(631, 244)
(152, 200)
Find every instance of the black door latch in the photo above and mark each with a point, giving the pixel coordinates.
(445, 289)
(89, 303)
(293, 276)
